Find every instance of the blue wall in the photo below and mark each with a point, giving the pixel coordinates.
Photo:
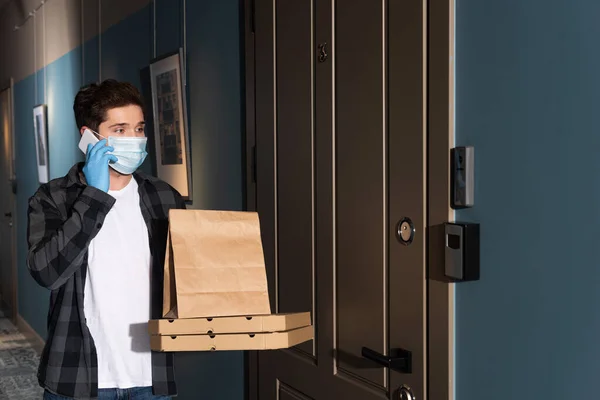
(527, 93)
(215, 121)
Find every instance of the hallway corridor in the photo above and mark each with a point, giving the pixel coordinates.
(18, 365)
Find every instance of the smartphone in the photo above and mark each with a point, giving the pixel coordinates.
(87, 138)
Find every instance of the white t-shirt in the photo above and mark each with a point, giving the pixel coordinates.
(117, 294)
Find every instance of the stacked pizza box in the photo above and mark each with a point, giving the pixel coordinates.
(215, 288)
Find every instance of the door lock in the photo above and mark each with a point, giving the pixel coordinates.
(405, 231)
(405, 393)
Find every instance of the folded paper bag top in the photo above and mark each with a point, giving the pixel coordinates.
(214, 265)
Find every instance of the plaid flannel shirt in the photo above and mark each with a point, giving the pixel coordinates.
(64, 216)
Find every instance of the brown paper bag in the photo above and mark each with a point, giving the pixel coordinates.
(214, 265)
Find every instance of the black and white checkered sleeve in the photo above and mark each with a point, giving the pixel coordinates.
(57, 245)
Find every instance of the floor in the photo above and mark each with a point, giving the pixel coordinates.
(18, 365)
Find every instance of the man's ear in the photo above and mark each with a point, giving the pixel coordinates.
(83, 128)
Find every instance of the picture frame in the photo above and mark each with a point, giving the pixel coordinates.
(170, 122)
(40, 132)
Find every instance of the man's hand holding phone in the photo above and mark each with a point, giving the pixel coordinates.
(96, 165)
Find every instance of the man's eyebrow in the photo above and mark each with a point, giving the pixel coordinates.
(119, 124)
(126, 124)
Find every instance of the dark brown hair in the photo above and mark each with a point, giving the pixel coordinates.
(93, 101)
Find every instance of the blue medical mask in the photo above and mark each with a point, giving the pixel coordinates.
(130, 152)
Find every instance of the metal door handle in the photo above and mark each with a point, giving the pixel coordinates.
(400, 361)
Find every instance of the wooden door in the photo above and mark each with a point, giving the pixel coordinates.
(340, 164)
(7, 266)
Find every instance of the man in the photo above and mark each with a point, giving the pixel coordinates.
(97, 239)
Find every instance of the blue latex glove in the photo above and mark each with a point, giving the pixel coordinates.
(96, 165)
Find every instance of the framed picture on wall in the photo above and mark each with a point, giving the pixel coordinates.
(169, 106)
(40, 131)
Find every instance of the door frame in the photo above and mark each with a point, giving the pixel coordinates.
(440, 138)
(10, 86)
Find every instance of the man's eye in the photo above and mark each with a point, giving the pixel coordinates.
(140, 129)
(120, 130)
